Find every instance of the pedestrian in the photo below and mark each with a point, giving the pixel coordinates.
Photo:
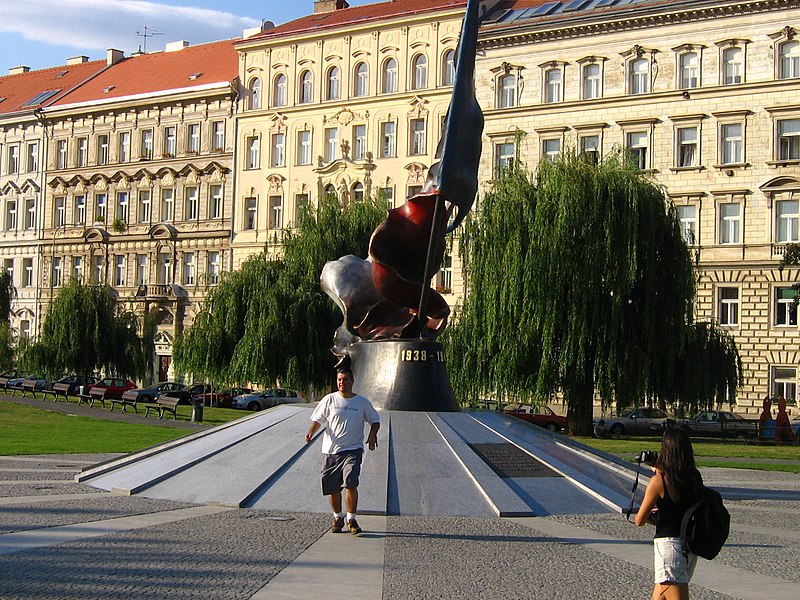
(673, 488)
(343, 413)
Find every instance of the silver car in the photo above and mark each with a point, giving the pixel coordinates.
(266, 399)
(640, 421)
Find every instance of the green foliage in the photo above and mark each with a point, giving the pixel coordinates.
(6, 347)
(7, 293)
(270, 320)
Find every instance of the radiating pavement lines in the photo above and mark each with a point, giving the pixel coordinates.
(737, 583)
(338, 565)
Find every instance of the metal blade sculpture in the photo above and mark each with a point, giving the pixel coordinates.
(388, 295)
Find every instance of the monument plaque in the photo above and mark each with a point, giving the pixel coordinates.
(509, 461)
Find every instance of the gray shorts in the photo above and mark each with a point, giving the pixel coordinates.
(341, 470)
(671, 563)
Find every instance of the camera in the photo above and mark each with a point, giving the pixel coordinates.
(648, 457)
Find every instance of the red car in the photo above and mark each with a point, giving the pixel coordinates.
(221, 399)
(114, 387)
(543, 416)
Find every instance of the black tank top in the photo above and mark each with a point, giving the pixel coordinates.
(670, 514)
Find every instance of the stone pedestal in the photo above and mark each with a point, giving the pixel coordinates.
(403, 375)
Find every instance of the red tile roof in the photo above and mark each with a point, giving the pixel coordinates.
(358, 14)
(18, 90)
(192, 66)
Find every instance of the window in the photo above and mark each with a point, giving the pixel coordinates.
(389, 76)
(444, 278)
(83, 151)
(252, 159)
(124, 142)
(144, 206)
(688, 70)
(590, 148)
(590, 81)
(686, 151)
(789, 60)
(279, 96)
(213, 269)
(551, 148)
(122, 206)
(359, 142)
(789, 139)
(99, 264)
(255, 94)
(730, 223)
(8, 265)
(119, 270)
(503, 158)
(249, 213)
(33, 157)
(732, 66)
(639, 76)
(553, 85)
(218, 136)
(60, 212)
(27, 272)
(419, 71)
(102, 149)
(30, 213)
(80, 209)
(332, 84)
(361, 83)
(278, 146)
(785, 309)
(61, 154)
(215, 201)
(413, 190)
(388, 139)
(164, 268)
(417, 141)
(507, 91)
(99, 207)
(331, 142)
(687, 217)
(300, 203)
(24, 328)
(787, 216)
(146, 150)
(56, 271)
(387, 194)
(167, 204)
(77, 267)
(190, 211)
(193, 141)
(637, 144)
(303, 147)
(784, 383)
(448, 67)
(731, 148)
(188, 268)
(275, 212)
(728, 306)
(12, 161)
(141, 269)
(170, 140)
(306, 87)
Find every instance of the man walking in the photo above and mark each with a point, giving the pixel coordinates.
(344, 414)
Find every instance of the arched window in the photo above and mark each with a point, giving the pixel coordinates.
(553, 87)
(332, 84)
(639, 76)
(419, 69)
(330, 190)
(789, 66)
(389, 76)
(279, 91)
(732, 68)
(448, 67)
(255, 93)
(358, 192)
(590, 84)
(306, 87)
(507, 91)
(689, 70)
(361, 80)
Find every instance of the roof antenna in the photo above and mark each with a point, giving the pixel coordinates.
(148, 32)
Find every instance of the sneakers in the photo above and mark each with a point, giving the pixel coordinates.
(338, 524)
(352, 525)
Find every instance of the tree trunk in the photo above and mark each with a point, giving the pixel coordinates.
(579, 393)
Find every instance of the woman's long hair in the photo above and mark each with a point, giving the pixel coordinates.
(676, 462)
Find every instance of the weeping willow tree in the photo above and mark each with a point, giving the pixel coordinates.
(270, 321)
(7, 294)
(85, 331)
(578, 282)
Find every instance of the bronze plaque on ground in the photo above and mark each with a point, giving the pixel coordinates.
(507, 460)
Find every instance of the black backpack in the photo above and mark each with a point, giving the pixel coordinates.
(705, 526)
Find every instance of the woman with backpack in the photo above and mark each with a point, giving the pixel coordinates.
(673, 488)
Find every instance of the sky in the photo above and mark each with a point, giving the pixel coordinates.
(44, 33)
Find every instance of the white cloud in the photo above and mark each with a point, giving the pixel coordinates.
(102, 24)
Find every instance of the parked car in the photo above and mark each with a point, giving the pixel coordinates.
(17, 382)
(543, 416)
(76, 382)
(639, 421)
(114, 387)
(267, 399)
(186, 393)
(149, 394)
(223, 399)
(722, 423)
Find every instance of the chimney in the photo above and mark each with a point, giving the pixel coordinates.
(265, 26)
(323, 6)
(113, 56)
(18, 70)
(175, 46)
(77, 60)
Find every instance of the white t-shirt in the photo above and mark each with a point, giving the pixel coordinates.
(344, 420)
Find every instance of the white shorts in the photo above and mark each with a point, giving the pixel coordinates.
(670, 563)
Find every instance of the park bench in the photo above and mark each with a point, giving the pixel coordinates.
(163, 404)
(129, 398)
(4, 383)
(59, 389)
(95, 394)
(28, 386)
